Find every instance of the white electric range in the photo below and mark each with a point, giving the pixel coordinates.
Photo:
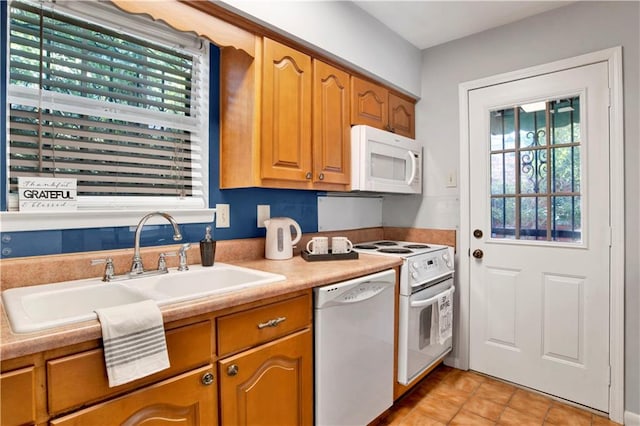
(425, 303)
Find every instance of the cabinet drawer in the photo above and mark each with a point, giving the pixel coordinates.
(81, 378)
(183, 400)
(258, 325)
(18, 398)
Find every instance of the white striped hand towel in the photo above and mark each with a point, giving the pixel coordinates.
(133, 340)
(445, 316)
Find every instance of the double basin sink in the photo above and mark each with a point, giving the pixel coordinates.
(46, 306)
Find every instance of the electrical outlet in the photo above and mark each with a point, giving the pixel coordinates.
(222, 215)
(264, 213)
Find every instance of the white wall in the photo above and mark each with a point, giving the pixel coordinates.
(576, 29)
(344, 32)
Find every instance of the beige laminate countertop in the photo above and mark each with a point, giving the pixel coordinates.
(300, 275)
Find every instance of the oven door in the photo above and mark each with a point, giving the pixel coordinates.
(419, 343)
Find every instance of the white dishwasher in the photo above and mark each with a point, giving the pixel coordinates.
(353, 326)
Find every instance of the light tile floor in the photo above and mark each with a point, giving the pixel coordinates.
(452, 397)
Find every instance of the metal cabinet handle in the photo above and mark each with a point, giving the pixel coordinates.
(321, 176)
(207, 379)
(232, 370)
(308, 175)
(272, 322)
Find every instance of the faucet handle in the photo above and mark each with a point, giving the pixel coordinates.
(109, 270)
(183, 257)
(162, 263)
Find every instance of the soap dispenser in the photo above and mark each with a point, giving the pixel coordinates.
(207, 248)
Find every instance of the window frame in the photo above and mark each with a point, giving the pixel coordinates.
(102, 211)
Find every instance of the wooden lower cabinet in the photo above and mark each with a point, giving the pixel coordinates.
(18, 397)
(177, 401)
(271, 384)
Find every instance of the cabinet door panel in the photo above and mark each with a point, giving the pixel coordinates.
(18, 399)
(370, 104)
(269, 385)
(286, 113)
(401, 116)
(182, 400)
(331, 127)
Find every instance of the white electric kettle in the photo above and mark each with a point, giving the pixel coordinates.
(279, 244)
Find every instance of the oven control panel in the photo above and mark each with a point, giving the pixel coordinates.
(429, 266)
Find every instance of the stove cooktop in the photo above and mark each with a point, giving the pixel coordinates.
(396, 248)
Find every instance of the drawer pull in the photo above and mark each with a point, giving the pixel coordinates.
(232, 370)
(207, 379)
(272, 322)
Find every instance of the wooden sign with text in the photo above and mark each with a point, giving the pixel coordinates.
(37, 193)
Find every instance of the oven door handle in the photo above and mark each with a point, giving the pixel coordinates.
(431, 300)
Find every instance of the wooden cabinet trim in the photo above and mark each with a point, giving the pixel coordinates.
(188, 18)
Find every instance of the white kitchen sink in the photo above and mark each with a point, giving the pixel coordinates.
(202, 282)
(46, 306)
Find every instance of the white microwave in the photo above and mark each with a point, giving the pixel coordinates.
(385, 162)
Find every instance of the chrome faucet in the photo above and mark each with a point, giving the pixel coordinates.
(136, 264)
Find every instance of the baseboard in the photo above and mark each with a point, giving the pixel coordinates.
(631, 419)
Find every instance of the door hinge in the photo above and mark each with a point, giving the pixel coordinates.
(609, 375)
(610, 237)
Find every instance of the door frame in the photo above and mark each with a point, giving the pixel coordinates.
(613, 57)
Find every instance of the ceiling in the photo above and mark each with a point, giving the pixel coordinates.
(426, 23)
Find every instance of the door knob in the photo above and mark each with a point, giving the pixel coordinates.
(477, 233)
(477, 253)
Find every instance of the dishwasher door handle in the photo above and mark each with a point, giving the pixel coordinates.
(431, 300)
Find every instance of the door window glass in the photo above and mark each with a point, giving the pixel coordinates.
(535, 171)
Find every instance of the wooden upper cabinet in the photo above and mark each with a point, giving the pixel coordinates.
(331, 125)
(402, 116)
(370, 103)
(286, 113)
(375, 106)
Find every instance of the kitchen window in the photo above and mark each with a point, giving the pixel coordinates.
(114, 100)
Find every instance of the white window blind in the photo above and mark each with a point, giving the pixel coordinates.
(123, 114)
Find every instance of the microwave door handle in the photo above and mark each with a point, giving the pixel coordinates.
(413, 168)
(431, 300)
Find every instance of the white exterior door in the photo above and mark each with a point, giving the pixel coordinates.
(539, 216)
